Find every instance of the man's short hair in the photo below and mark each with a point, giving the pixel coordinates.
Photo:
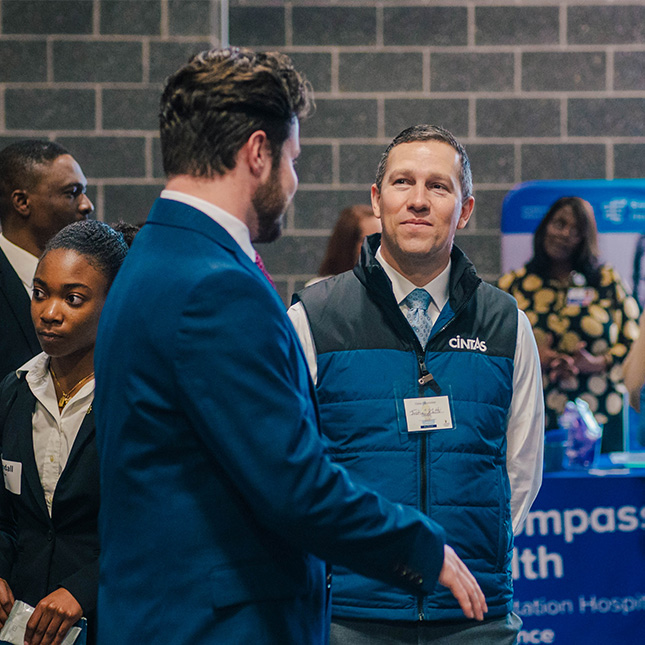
(429, 133)
(18, 165)
(212, 105)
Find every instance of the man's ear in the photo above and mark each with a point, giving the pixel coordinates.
(376, 201)
(258, 153)
(466, 211)
(20, 202)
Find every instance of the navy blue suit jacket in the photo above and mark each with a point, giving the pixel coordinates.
(18, 340)
(39, 553)
(215, 488)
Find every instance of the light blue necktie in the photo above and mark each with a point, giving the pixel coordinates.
(417, 314)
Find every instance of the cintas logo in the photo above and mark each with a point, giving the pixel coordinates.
(467, 343)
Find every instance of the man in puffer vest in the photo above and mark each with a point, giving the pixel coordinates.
(430, 393)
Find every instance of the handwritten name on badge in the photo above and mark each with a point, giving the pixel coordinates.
(12, 473)
(428, 413)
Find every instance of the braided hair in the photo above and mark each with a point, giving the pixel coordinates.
(102, 246)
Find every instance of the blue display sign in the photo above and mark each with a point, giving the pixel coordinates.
(619, 204)
(579, 563)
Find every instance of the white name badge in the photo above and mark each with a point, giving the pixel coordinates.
(428, 413)
(12, 472)
(582, 296)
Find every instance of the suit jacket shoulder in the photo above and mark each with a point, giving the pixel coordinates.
(18, 340)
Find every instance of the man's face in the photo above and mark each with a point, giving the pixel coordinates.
(420, 205)
(57, 197)
(272, 198)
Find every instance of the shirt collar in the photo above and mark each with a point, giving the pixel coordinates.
(23, 262)
(36, 368)
(237, 229)
(402, 287)
(42, 387)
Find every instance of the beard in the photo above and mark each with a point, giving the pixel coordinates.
(270, 203)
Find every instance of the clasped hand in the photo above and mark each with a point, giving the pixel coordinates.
(560, 366)
(52, 618)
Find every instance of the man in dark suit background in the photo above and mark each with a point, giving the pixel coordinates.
(42, 190)
(215, 486)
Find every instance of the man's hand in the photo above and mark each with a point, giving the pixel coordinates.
(6, 601)
(457, 577)
(52, 618)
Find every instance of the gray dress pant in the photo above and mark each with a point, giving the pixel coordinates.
(496, 631)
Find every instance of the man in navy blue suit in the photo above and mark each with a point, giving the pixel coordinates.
(219, 504)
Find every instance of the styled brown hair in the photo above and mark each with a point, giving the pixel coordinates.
(212, 105)
(341, 254)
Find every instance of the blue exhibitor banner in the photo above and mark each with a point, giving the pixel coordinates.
(579, 562)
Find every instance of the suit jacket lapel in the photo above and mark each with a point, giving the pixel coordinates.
(85, 434)
(18, 301)
(24, 406)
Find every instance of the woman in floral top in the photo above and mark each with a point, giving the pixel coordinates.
(583, 319)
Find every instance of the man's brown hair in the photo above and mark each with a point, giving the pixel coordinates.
(212, 105)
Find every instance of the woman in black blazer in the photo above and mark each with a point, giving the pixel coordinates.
(49, 503)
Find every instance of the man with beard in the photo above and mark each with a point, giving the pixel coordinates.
(217, 497)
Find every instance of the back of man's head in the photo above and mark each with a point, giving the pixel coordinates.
(212, 105)
(19, 167)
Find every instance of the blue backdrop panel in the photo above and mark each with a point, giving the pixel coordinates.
(619, 204)
(579, 565)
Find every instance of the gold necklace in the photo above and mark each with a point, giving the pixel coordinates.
(66, 396)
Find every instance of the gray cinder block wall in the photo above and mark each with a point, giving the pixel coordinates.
(535, 90)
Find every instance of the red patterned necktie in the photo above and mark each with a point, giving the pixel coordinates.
(260, 265)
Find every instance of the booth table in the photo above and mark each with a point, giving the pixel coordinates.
(579, 562)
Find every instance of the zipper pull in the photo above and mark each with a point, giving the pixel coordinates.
(426, 378)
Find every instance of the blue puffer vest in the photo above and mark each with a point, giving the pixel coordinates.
(369, 361)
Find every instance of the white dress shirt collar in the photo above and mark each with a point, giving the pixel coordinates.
(23, 262)
(237, 229)
(402, 287)
(53, 432)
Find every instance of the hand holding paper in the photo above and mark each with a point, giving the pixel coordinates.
(52, 618)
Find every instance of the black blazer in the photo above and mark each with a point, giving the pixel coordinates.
(39, 554)
(18, 340)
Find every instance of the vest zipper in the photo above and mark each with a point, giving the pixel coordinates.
(425, 378)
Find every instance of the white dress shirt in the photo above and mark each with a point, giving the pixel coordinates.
(23, 262)
(525, 429)
(54, 431)
(236, 228)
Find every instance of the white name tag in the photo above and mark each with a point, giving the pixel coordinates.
(12, 471)
(428, 413)
(582, 296)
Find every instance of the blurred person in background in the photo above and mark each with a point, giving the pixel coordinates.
(353, 225)
(583, 318)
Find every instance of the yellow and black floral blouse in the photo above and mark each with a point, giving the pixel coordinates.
(606, 318)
